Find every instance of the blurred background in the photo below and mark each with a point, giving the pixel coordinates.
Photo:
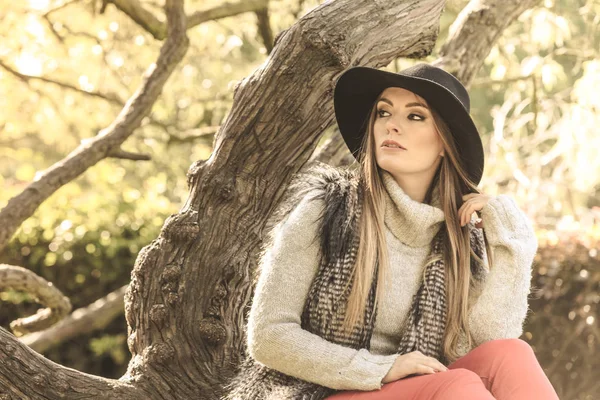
(67, 68)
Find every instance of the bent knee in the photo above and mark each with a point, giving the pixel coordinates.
(458, 376)
(508, 346)
(461, 375)
(459, 383)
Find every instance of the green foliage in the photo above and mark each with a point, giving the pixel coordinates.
(111, 345)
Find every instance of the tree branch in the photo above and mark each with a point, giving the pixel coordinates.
(224, 10)
(474, 33)
(24, 374)
(84, 320)
(95, 149)
(44, 292)
(127, 155)
(264, 27)
(26, 78)
(60, 7)
(144, 18)
(205, 134)
(150, 23)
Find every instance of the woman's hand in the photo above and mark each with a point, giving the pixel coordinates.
(473, 202)
(414, 362)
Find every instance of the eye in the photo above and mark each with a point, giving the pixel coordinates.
(422, 118)
(379, 112)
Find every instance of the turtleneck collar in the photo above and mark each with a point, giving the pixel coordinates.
(413, 223)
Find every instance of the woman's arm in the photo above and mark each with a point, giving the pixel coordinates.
(502, 307)
(275, 337)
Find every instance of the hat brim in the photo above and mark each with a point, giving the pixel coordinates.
(358, 87)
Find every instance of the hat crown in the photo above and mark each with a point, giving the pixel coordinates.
(441, 77)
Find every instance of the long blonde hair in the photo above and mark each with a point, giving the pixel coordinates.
(453, 182)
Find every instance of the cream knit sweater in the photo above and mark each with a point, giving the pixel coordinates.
(276, 339)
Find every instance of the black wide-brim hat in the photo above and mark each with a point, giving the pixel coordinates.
(358, 87)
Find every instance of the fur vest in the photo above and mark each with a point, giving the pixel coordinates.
(323, 311)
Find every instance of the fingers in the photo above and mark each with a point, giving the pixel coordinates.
(428, 369)
(464, 212)
(425, 369)
(437, 366)
(472, 202)
(431, 364)
(465, 215)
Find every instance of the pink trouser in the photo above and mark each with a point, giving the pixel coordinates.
(502, 369)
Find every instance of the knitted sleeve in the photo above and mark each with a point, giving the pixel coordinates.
(501, 309)
(274, 334)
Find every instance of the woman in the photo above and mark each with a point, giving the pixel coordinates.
(375, 284)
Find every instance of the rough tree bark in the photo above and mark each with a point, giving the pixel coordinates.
(185, 306)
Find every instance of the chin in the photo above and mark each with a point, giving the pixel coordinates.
(389, 163)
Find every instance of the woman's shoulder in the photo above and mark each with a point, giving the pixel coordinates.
(321, 179)
(314, 187)
(312, 202)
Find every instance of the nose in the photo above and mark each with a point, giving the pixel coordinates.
(392, 126)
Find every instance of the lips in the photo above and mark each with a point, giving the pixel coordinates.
(392, 142)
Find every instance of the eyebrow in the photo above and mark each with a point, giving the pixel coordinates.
(412, 104)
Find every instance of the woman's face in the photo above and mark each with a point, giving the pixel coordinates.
(403, 118)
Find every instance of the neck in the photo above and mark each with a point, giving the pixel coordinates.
(414, 186)
(413, 222)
